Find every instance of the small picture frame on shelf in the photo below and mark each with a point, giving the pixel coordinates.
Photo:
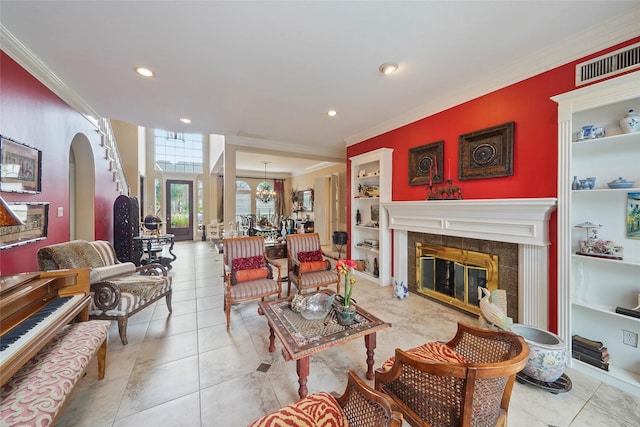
(426, 164)
(371, 190)
(486, 153)
(633, 216)
(375, 213)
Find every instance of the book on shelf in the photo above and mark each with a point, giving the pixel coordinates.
(586, 342)
(628, 312)
(590, 360)
(589, 351)
(600, 357)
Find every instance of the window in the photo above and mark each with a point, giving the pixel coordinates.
(157, 191)
(200, 190)
(243, 200)
(178, 152)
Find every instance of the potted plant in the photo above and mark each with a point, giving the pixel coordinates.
(346, 311)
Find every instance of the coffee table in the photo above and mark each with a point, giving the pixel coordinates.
(301, 338)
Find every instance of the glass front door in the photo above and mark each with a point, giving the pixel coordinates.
(179, 209)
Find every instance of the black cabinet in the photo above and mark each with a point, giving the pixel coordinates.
(126, 226)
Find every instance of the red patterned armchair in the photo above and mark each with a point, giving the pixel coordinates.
(308, 267)
(359, 406)
(248, 273)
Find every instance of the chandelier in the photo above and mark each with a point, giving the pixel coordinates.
(266, 194)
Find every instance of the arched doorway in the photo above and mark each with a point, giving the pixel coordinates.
(81, 189)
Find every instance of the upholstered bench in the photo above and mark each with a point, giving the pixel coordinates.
(37, 393)
(120, 288)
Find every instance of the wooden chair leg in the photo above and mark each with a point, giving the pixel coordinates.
(102, 359)
(168, 299)
(122, 329)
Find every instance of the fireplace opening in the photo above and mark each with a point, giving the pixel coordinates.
(452, 276)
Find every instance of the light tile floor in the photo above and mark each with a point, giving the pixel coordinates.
(187, 370)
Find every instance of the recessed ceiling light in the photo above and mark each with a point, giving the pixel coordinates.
(388, 68)
(332, 113)
(185, 120)
(145, 72)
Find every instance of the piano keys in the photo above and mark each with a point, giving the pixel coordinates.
(24, 298)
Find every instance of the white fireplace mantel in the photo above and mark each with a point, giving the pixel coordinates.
(521, 221)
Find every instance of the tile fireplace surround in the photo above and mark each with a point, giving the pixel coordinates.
(524, 222)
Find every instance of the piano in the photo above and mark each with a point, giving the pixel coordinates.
(33, 308)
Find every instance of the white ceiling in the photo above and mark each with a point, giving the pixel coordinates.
(265, 73)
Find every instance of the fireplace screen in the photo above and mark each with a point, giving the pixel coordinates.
(453, 275)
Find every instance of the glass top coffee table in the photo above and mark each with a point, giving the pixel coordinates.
(301, 338)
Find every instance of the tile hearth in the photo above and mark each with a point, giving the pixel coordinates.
(187, 370)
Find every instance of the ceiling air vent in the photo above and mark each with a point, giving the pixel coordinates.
(619, 61)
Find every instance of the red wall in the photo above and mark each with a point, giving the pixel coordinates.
(33, 115)
(535, 166)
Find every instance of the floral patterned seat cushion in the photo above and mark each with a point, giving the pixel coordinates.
(37, 392)
(318, 409)
(436, 352)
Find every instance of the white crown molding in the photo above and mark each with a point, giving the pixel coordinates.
(609, 33)
(291, 149)
(31, 62)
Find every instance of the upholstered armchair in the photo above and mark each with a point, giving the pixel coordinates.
(248, 273)
(359, 406)
(308, 268)
(465, 382)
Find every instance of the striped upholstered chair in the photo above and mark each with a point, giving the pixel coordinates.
(308, 267)
(248, 273)
(120, 289)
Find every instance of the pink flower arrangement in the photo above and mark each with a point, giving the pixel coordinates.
(345, 268)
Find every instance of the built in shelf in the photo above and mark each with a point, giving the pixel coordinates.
(625, 260)
(364, 227)
(613, 139)
(369, 249)
(607, 190)
(366, 275)
(606, 309)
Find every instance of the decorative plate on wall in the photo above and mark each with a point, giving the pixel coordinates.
(486, 153)
(426, 164)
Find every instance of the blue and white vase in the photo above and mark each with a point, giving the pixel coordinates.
(548, 355)
(630, 123)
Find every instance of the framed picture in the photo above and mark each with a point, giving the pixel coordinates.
(20, 167)
(633, 216)
(375, 213)
(36, 220)
(371, 190)
(486, 153)
(426, 164)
